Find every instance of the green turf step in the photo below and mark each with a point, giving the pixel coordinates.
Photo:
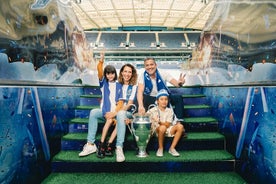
(186, 120)
(184, 96)
(194, 96)
(91, 96)
(84, 120)
(192, 136)
(200, 120)
(145, 178)
(87, 107)
(201, 106)
(79, 120)
(185, 156)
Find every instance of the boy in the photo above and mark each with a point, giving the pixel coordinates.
(162, 119)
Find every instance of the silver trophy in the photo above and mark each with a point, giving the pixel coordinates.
(141, 129)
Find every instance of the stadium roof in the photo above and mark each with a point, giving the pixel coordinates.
(98, 14)
(249, 20)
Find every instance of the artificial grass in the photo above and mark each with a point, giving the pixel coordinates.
(193, 96)
(145, 178)
(79, 120)
(200, 120)
(202, 106)
(91, 96)
(191, 136)
(184, 96)
(87, 107)
(186, 120)
(204, 136)
(185, 156)
(84, 120)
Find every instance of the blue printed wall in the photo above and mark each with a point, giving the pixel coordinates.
(247, 118)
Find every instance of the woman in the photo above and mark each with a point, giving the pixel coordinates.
(128, 78)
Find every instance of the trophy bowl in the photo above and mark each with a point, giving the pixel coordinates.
(141, 128)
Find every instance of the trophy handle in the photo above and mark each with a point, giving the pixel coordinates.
(151, 106)
(132, 128)
(132, 131)
(133, 108)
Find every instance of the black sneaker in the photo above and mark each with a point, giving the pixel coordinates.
(101, 150)
(109, 150)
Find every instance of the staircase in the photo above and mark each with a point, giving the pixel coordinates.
(203, 159)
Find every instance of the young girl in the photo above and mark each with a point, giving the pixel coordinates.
(162, 123)
(111, 93)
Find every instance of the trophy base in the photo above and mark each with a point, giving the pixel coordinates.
(142, 154)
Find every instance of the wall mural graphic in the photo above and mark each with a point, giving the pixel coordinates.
(45, 43)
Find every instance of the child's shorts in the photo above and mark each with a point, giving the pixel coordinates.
(167, 133)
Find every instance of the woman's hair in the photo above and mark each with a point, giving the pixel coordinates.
(133, 79)
(110, 69)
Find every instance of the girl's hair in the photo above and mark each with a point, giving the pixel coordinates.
(110, 69)
(133, 79)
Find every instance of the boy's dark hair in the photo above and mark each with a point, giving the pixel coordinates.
(110, 69)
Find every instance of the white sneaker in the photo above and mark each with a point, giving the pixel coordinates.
(174, 153)
(159, 153)
(120, 157)
(88, 149)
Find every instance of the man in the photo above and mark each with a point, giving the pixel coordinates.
(152, 81)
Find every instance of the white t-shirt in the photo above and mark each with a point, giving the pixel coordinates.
(133, 92)
(165, 76)
(112, 96)
(163, 116)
